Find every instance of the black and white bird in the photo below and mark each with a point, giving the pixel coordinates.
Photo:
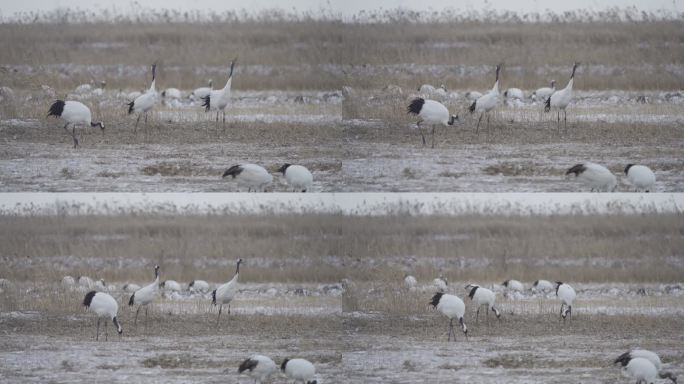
(225, 293)
(198, 286)
(170, 285)
(597, 177)
(483, 296)
(639, 367)
(560, 99)
(441, 283)
(543, 286)
(258, 367)
(432, 113)
(514, 285)
(103, 305)
(299, 370)
(144, 103)
(641, 177)
(297, 176)
(202, 92)
(452, 307)
(567, 295)
(145, 295)
(410, 282)
(255, 177)
(486, 102)
(74, 113)
(217, 100)
(545, 92)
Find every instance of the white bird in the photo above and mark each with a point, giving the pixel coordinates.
(652, 357)
(560, 99)
(74, 113)
(545, 92)
(514, 93)
(299, 370)
(567, 295)
(473, 95)
(596, 177)
(252, 176)
(144, 103)
(452, 307)
(198, 286)
(640, 176)
(514, 285)
(201, 92)
(426, 89)
(217, 100)
(225, 293)
(100, 285)
(171, 285)
(145, 295)
(68, 281)
(297, 176)
(133, 95)
(543, 285)
(85, 281)
(130, 287)
(410, 282)
(440, 283)
(103, 305)
(258, 367)
(432, 113)
(486, 102)
(483, 296)
(171, 93)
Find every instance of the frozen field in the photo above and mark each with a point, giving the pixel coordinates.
(327, 287)
(375, 149)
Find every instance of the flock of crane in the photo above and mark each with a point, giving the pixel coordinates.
(253, 177)
(644, 366)
(104, 306)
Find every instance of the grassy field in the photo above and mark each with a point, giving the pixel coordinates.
(329, 54)
(286, 248)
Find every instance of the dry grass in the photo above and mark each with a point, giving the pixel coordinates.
(324, 248)
(328, 54)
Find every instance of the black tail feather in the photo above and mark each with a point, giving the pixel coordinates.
(130, 107)
(416, 106)
(547, 107)
(436, 298)
(56, 108)
(131, 301)
(577, 169)
(213, 297)
(89, 298)
(472, 106)
(233, 171)
(206, 102)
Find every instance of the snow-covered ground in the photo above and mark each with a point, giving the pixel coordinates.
(344, 203)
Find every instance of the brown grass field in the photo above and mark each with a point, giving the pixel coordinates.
(329, 54)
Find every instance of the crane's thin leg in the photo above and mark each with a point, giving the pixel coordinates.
(146, 317)
(219, 315)
(145, 119)
(73, 134)
(135, 322)
(97, 334)
(229, 310)
(477, 314)
(135, 130)
(565, 119)
(487, 316)
(561, 311)
(433, 136)
(106, 335)
(421, 131)
(487, 122)
(451, 328)
(478, 123)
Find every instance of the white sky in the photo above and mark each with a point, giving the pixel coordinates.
(345, 7)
